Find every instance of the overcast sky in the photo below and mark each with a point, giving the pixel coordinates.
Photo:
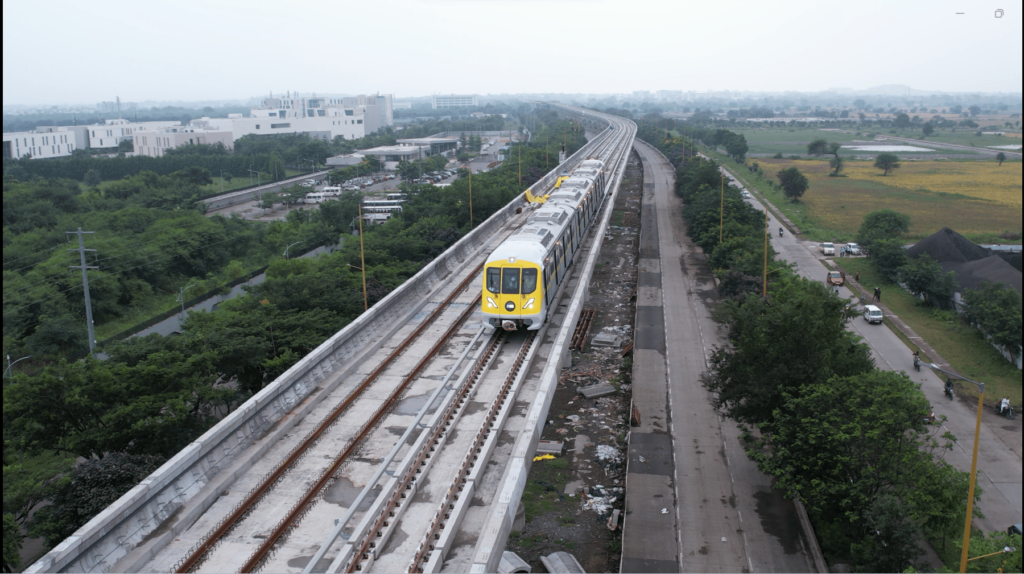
(82, 52)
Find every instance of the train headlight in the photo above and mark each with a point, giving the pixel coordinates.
(529, 303)
(491, 303)
(510, 306)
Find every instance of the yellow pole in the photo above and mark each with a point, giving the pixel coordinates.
(721, 209)
(764, 286)
(362, 258)
(519, 150)
(974, 476)
(471, 197)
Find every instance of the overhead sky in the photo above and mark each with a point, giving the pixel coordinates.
(82, 52)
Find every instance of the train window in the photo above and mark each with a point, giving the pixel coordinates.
(529, 281)
(510, 281)
(494, 279)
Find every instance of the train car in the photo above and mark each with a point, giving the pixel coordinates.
(522, 275)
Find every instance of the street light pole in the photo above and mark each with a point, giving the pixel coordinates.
(362, 258)
(181, 297)
(764, 286)
(289, 247)
(974, 464)
(10, 364)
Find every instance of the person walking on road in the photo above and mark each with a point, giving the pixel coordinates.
(878, 295)
(856, 277)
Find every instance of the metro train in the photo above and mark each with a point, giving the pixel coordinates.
(522, 275)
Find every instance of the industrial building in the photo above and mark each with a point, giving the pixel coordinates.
(157, 141)
(433, 144)
(38, 144)
(111, 133)
(452, 101)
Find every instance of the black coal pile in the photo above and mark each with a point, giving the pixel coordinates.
(972, 263)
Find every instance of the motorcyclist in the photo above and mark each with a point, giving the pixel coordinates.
(780, 232)
(1004, 405)
(917, 360)
(949, 387)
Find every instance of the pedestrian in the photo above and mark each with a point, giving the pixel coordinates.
(856, 277)
(878, 295)
(835, 289)
(843, 275)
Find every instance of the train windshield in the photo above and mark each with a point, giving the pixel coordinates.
(494, 279)
(529, 281)
(510, 281)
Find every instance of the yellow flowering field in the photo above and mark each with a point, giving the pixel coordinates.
(980, 179)
(837, 205)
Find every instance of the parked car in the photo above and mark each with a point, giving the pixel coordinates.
(835, 278)
(827, 249)
(745, 194)
(872, 314)
(853, 249)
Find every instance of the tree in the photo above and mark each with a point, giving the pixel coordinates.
(736, 146)
(956, 109)
(928, 129)
(817, 147)
(923, 277)
(793, 339)
(195, 175)
(983, 543)
(125, 146)
(92, 178)
(12, 544)
(888, 257)
(226, 176)
(1000, 157)
(882, 224)
(836, 164)
(902, 121)
(794, 184)
(975, 110)
(995, 310)
(887, 161)
(891, 535)
(89, 488)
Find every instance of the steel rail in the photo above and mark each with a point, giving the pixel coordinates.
(301, 507)
(254, 496)
(469, 461)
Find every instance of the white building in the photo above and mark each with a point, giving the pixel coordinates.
(55, 142)
(345, 122)
(384, 102)
(155, 142)
(452, 101)
(402, 105)
(390, 155)
(112, 132)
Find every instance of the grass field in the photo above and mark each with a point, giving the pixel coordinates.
(980, 200)
(215, 187)
(962, 346)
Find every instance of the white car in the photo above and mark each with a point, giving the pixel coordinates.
(745, 194)
(872, 314)
(827, 249)
(853, 249)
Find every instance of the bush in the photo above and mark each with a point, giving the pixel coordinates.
(778, 155)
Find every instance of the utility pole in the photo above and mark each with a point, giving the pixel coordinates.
(471, 197)
(764, 285)
(85, 284)
(362, 257)
(519, 150)
(721, 209)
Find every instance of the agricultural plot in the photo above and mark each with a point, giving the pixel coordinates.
(980, 200)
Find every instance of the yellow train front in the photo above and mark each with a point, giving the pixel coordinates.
(513, 296)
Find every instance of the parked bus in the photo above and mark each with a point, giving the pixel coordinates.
(316, 197)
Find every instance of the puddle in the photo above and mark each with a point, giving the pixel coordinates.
(343, 493)
(881, 148)
(412, 405)
(399, 431)
(1016, 146)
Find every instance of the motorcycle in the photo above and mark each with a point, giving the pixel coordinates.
(780, 232)
(1006, 412)
(949, 389)
(917, 362)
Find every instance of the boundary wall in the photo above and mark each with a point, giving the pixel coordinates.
(165, 503)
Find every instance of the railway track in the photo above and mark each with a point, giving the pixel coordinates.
(424, 497)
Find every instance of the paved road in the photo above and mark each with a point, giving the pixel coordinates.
(728, 519)
(999, 453)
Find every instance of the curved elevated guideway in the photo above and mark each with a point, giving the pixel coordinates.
(365, 455)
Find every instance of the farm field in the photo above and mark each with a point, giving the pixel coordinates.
(980, 200)
(793, 141)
